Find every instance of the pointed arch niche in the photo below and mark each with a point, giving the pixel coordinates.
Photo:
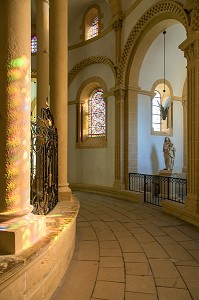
(144, 67)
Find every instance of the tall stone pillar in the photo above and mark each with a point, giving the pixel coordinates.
(119, 138)
(59, 83)
(191, 52)
(42, 29)
(131, 137)
(184, 105)
(19, 228)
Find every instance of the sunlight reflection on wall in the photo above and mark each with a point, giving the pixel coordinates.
(18, 135)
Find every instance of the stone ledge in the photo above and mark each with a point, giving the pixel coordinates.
(32, 272)
(179, 210)
(108, 191)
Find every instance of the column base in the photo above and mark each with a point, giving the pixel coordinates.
(21, 233)
(117, 185)
(65, 191)
(191, 204)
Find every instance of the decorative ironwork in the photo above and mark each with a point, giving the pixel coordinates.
(158, 188)
(44, 163)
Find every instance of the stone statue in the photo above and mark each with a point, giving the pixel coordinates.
(169, 154)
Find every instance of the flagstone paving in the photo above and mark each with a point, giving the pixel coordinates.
(130, 251)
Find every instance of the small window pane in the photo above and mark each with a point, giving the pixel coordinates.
(96, 114)
(34, 44)
(93, 30)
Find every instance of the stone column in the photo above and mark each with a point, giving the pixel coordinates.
(184, 104)
(42, 29)
(19, 228)
(191, 51)
(119, 138)
(59, 82)
(131, 140)
(117, 26)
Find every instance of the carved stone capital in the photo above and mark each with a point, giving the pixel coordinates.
(117, 25)
(192, 51)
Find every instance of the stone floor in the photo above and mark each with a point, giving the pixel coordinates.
(130, 251)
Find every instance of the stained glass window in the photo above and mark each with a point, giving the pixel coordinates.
(96, 114)
(33, 44)
(156, 121)
(93, 30)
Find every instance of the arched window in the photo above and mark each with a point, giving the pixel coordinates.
(33, 44)
(92, 22)
(93, 30)
(91, 114)
(156, 121)
(96, 114)
(161, 109)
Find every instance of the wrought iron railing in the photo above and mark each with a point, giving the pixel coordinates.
(157, 188)
(44, 163)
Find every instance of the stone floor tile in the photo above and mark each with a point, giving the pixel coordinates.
(136, 268)
(137, 230)
(140, 284)
(177, 283)
(98, 225)
(177, 252)
(190, 245)
(134, 257)
(163, 268)
(108, 262)
(166, 274)
(195, 254)
(139, 296)
(131, 225)
(110, 252)
(129, 245)
(188, 263)
(165, 239)
(154, 250)
(109, 290)
(153, 230)
(106, 217)
(191, 278)
(117, 226)
(122, 233)
(86, 234)
(111, 274)
(83, 224)
(73, 284)
(176, 234)
(173, 294)
(86, 250)
(144, 237)
(105, 235)
(109, 245)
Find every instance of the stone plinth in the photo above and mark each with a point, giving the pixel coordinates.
(165, 173)
(21, 233)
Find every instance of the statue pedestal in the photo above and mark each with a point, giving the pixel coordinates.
(164, 183)
(165, 173)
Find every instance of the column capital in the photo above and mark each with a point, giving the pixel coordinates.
(191, 46)
(117, 25)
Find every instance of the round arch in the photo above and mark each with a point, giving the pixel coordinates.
(162, 14)
(88, 61)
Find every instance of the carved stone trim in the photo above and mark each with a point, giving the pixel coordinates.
(195, 18)
(160, 8)
(89, 61)
(117, 25)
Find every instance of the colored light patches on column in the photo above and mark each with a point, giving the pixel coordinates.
(18, 136)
